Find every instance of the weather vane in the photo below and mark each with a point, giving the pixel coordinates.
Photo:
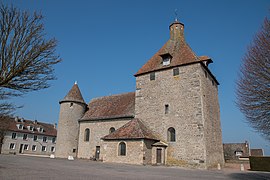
(175, 13)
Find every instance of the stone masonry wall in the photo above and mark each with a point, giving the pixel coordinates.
(68, 129)
(134, 152)
(183, 95)
(98, 129)
(211, 116)
(147, 151)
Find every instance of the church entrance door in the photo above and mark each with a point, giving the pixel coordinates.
(159, 156)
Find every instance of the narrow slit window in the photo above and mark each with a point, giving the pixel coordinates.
(87, 135)
(166, 108)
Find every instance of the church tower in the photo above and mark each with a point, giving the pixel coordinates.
(72, 108)
(177, 98)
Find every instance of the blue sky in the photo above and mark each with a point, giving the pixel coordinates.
(103, 43)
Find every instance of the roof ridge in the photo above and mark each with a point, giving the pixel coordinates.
(113, 95)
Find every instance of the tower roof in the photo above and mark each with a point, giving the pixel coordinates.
(134, 129)
(176, 47)
(74, 95)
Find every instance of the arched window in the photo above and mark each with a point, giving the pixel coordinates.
(171, 134)
(112, 129)
(122, 149)
(87, 135)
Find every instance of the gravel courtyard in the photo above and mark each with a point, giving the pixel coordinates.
(26, 167)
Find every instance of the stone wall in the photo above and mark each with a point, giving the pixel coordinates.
(134, 152)
(211, 119)
(183, 95)
(18, 141)
(68, 129)
(147, 151)
(98, 129)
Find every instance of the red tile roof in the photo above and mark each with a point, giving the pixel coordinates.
(74, 95)
(177, 47)
(49, 129)
(108, 107)
(134, 129)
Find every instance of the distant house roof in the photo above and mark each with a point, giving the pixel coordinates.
(74, 95)
(109, 107)
(39, 128)
(134, 129)
(256, 152)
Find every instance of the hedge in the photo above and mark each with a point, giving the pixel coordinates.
(259, 163)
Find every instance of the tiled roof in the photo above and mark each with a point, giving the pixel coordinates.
(177, 47)
(49, 129)
(256, 152)
(74, 95)
(134, 129)
(108, 107)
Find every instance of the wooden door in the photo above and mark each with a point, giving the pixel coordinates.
(159, 151)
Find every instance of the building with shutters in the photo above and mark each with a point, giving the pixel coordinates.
(172, 118)
(29, 137)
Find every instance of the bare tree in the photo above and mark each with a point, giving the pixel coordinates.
(253, 86)
(26, 56)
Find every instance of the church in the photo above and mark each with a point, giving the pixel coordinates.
(172, 118)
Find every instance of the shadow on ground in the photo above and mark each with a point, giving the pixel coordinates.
(250, 175)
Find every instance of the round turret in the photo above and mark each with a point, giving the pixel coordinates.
(72, 108)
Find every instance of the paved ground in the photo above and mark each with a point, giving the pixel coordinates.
(26, 167)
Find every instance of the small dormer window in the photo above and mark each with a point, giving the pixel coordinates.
(20, 126)
(166, 59)
(40, 129)
(238, 153)
(30, 128)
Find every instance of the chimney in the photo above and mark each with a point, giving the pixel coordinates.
(55, 125)
(35, 122)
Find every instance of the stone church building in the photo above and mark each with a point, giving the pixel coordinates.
(172, 118)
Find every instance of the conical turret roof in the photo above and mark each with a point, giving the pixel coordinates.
(74, 95)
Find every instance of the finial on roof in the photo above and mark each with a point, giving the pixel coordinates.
(175, 13)
(76, 82)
